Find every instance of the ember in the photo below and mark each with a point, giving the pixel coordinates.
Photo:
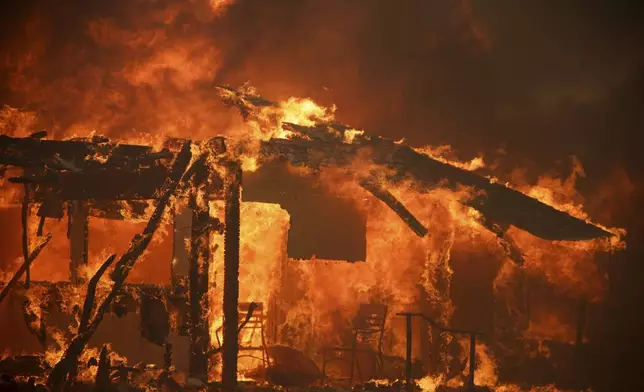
(281, 249)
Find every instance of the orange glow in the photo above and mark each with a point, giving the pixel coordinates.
(155, 91)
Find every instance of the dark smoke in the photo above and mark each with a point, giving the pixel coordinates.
(527, 84)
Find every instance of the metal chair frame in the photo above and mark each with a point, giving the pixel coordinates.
(254, 324)
(368, 323)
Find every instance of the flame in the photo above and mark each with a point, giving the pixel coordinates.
(441, 153)
(263, 252)
(157, 94)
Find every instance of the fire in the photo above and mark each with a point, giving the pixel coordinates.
(219, 6)
(157, 95)
(263, 251)
(441, 153)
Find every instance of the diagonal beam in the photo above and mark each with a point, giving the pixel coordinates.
(24, 267)
(398, 207)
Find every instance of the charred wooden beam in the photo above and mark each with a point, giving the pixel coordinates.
(59, 374)
(199, 265)
(496, 202)
(103, 184)
(231, 277)
(25, 265)
(38, 152)
(92, 169)
(41, 226)
(399, 208)
(102, 381)
(88, 305)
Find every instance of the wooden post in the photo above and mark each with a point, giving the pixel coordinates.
(199, 266)
(231, 277)
(78, 238)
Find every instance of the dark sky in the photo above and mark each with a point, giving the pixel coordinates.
(538, 80)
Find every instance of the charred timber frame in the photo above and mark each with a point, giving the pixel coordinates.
(135, 173)
(199, 266)
(100, 171)
(499, 204)
(132, 174)
(231, 276)
(59, 375)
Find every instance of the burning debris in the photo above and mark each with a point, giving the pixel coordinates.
(97, 177)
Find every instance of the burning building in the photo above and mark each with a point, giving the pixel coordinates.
(305, 305)
(266, 252)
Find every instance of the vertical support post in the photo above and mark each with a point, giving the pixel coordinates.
(470, 379)
(24, 215)
(231, 276)
(581, 322)
(78, 237)
(408, 354)
(199, 266)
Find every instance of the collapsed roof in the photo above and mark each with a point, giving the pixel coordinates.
(501, 206)
(102, 172)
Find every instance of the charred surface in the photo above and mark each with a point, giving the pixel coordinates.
(231, 276)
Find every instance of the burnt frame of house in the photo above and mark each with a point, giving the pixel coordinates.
(96, 177)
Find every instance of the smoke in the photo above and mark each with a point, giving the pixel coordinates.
(538, 82)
